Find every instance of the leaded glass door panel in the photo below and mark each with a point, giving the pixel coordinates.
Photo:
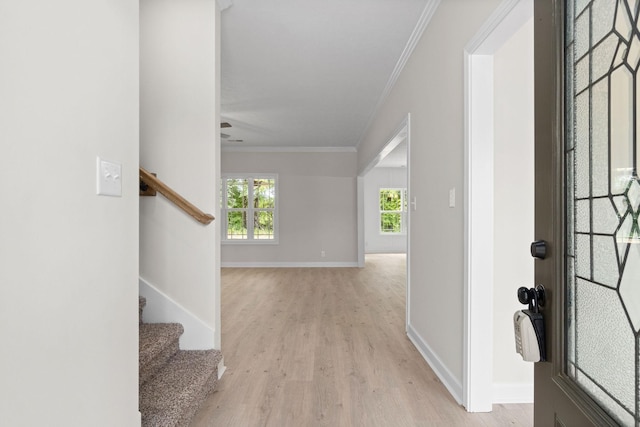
(587, 208)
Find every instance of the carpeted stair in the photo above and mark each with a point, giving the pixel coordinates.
(173, 382)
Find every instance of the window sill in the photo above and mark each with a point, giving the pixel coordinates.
(234, 242)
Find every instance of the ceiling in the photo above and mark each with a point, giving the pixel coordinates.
(309, 75)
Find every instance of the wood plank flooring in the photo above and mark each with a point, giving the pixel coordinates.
(327, 347)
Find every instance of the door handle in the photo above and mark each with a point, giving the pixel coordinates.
(534, 297)
(539, 249)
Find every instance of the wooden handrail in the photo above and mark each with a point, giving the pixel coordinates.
(150, 180)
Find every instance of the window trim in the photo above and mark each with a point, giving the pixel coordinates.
(403, 213)
(250, 240)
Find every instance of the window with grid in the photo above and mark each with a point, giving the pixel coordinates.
(249, 208)
(393, 210)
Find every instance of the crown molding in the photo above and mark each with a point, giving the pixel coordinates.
(224, 4)
(427, 13)
(246, 149)
(511, 14)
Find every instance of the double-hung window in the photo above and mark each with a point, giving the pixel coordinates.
(249, 208)
(393, 210)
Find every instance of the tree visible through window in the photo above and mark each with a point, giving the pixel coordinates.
(393, 208)
(249, 207)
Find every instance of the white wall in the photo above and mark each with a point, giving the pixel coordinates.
(68, 258)
(431, 88)
(179, 140)
(513, 200)
(374, 241)
(317, 209)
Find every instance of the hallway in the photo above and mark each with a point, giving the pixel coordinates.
(327, 347)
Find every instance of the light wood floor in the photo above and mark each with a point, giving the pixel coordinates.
(327, 347)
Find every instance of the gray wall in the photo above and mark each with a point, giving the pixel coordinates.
(374, 241)
(431, 88)
(179, 98)
(69, 258)
(317, 209)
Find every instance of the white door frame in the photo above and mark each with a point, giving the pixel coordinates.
(477, 381)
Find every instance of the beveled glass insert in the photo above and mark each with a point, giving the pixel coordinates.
(602, 190)
(636, 119)
(621, 54)
(605, 217)
(583, 256)
(606, 345)
(583, 216)
(580, 5)
(603, 57)
(604, 10)
(623, 21)
(621, 120)
(629, 286)
(582, 34)
(633, 196)
(617, 411)
(621, 204)
(634, 52)
(582, 73)
(582, 142)
(600, 140)
(624, 236)
(605, 262)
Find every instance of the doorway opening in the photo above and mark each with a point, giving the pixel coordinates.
(384, 227)
(499, 190)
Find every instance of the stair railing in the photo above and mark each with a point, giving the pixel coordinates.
(149, 184)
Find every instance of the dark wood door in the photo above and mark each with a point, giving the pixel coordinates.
(587, 56)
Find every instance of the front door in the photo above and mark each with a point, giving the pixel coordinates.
(587, 56)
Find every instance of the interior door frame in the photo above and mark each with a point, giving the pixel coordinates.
(477, 380)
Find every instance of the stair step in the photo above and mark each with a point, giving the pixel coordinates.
(173, 396)
(158, 343)
(142, 301)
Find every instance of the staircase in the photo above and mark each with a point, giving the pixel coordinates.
(173, 382)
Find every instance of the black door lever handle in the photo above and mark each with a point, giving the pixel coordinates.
(534, 297)
(539, 249)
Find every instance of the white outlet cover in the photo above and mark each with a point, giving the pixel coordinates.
(109, 178)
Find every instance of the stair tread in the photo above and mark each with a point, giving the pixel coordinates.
(174, 394)
(155, 337)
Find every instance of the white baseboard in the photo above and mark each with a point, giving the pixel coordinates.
(221, 368)
(512, 393)
(444, 374)
(287, 264)
(161, 308)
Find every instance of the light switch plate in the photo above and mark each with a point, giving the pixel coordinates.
(452, 197)
(109, 178)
